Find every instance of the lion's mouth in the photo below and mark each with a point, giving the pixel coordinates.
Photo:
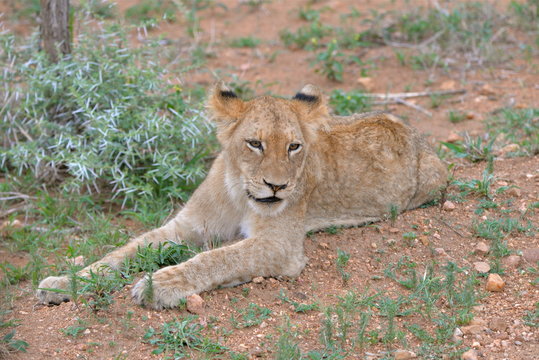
(270, 199)
(266, 200)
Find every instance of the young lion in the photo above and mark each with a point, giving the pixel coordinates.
(286, 167)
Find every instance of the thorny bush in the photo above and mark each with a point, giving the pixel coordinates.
(103, 117)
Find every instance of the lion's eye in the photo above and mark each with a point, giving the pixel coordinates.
(293, 147)
(255, 144)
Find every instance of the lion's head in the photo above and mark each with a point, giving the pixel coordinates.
(265, 142)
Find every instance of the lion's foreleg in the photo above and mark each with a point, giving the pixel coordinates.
(275, 248)
(59, 285)
(234, 264)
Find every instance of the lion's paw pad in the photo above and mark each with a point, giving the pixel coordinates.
(53, 290)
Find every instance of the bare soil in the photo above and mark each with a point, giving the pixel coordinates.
(112, 334)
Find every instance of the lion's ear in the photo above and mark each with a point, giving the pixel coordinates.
(310, 97)
(309, 94)
(310, 100)
(225, 106)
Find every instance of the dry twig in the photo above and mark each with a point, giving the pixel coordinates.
(413, 106)
(10, 195)
(20, 207)
(409, 95)
(428, 41)
(450, 227)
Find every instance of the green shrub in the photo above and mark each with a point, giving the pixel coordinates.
(344, 103)
(177, 338)
(330, 63)
(306, 37)
(150, 10)
(519, 126)
(102, 118)
(469, 30)
(247, 41)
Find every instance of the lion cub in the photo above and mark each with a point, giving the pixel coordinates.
(286, 167)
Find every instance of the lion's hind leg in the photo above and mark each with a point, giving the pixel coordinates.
(431, 179)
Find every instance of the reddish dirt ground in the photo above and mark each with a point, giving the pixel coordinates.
(112, 335)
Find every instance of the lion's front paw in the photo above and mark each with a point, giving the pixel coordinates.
(53, 290)
(165, 289)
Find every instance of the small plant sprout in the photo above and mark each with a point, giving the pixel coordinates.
(329, 63)
(342, 262)
(473, 149)
(393, 213)
(178, 337)
(245, 42)
(409, 237)
(252, 315)
(347, 103)
(456, 116)
(298, 307)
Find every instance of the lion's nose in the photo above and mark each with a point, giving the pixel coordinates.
(274, 187)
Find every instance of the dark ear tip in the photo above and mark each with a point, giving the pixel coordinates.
(228, 94)
(304, 97)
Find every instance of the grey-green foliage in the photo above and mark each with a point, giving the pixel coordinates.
(469, 27)
(348, 103)
(179, 337)
(103, 117)
(518, 126)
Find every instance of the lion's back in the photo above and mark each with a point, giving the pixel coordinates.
(367, 166)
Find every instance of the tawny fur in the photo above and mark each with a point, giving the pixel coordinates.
(346, 171)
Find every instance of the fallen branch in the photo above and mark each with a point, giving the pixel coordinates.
(21, 207)
(439, 8)
(14, 196)
(413, 106)
(450, 227)
(415, 46)
(409, 95)
(8, 101)
(44, 229)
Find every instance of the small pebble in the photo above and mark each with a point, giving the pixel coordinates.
(470, 355)
(195, 304)
(457, 335)
(323, 246)
(497, 324)
(449, 206)
(495, 283)
(514, 191)
(508, 149)
(481, 267)
(15, 224)
(531, 255)
(367, 83)
(404, 355)
(453, 138)
(511, 261)
(481, 248)
(472, 329)
(487, 90)
(440, 252)
(448, 85)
